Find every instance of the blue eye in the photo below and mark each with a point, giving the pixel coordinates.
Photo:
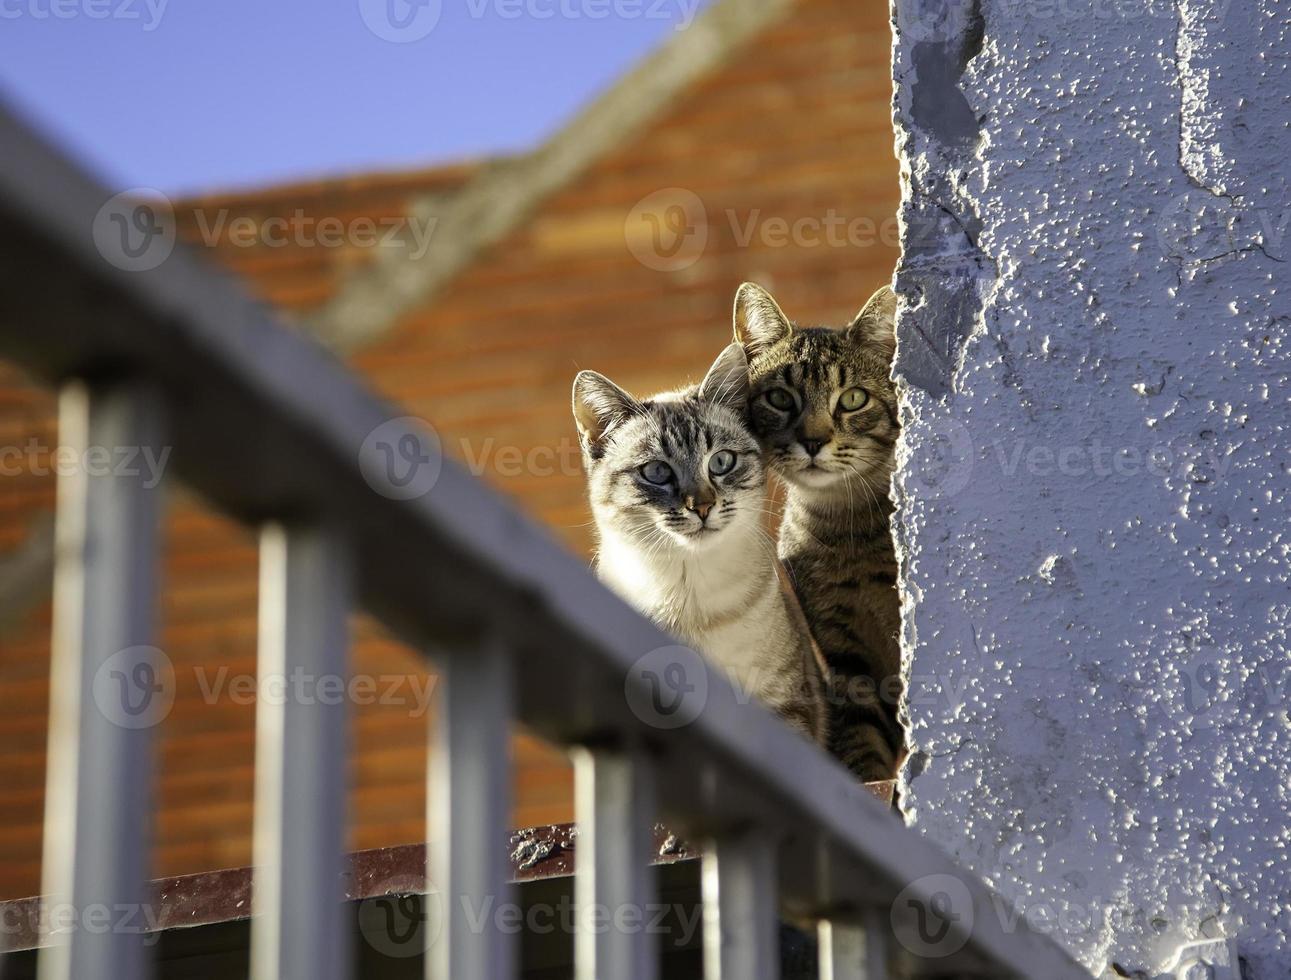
(782, 399)
(721, 463)
(657, 473)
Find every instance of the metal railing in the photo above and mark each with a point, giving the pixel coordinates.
(272, 430)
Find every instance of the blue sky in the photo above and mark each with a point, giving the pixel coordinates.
(193, 95)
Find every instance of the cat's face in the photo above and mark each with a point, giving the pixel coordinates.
(821, 401)
(680, 469)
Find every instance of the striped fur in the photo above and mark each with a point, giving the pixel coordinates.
(692, 553)
(836, 537)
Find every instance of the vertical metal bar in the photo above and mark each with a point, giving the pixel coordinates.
(108, 687)
(469, 793)
(299, 931)
(877, 929)
(849, 952)
(613, 887)
(741, 926)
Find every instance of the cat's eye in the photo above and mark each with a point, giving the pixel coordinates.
(657, 472)
(722, 463)
(781, 398)
(854, 399)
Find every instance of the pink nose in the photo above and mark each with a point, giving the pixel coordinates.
(703, 508)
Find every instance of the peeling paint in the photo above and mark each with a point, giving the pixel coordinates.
(1093, 476)
(943, 265)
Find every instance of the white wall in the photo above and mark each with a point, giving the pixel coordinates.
(1094, 488)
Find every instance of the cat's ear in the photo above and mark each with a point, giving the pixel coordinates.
(599, 405)
(876, 324)
(727, 382)
(759, 321)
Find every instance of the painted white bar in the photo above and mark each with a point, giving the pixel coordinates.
(852, 952)
(469, 797)
(613, 884)
(741, 926)
(877, 931)
(108, 686)
(299, 931)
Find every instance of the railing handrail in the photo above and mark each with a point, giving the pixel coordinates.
(265, 423)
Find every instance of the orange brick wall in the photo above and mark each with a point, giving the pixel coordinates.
(795, 127)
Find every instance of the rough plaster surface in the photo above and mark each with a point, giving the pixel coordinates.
(1093, 493)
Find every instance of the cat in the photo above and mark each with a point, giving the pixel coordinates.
(678, 490)
(824, 408)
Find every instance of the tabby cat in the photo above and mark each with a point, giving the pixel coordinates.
(824, 408)
(678, 491)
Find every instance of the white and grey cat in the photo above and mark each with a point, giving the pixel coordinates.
(678, 490)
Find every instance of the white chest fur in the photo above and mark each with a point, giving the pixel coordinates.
(725, 599)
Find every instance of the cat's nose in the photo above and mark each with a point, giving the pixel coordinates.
(813, 446)
(701, 507)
